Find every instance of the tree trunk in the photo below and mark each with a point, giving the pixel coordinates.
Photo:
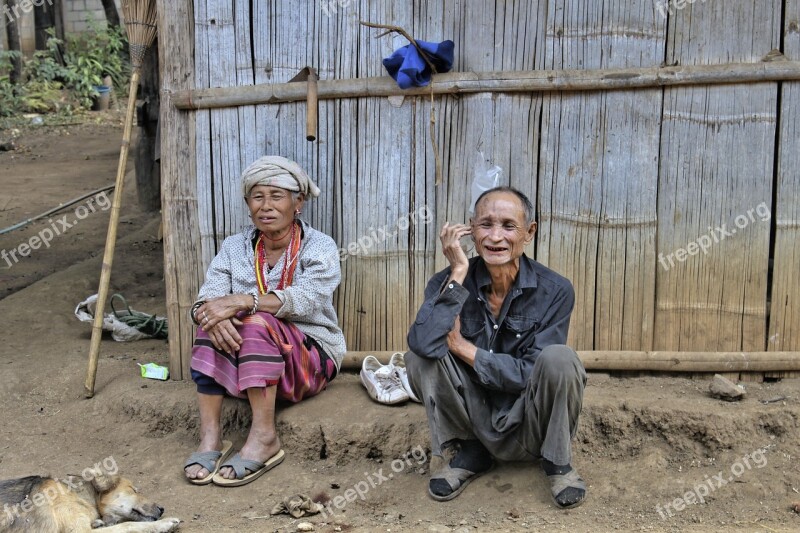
(12, 31)
(112, 15)
(147, 152)
(44, 18)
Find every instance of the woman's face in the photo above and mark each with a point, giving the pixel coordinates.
(272, 209)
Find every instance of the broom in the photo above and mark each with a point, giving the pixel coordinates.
(140, 24)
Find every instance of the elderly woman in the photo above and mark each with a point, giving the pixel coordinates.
(267, 329)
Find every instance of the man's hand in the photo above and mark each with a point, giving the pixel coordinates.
(225, 337)
(459, 346)
(451, 247)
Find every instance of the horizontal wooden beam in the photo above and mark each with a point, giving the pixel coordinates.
(509, 81)
(655, 361)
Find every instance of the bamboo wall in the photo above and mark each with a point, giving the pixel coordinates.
(620, 179)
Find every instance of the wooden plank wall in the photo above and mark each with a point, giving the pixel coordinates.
(716, 166)
(599, 172)
(784, 322)
(619, 179)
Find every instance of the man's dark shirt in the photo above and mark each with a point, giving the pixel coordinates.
(535, 314)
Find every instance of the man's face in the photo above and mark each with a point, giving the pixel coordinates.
(499, 230)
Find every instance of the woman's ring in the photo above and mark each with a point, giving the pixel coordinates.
(205, 316)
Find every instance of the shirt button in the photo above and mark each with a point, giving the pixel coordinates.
(491, 351)
(450, 286)
(495, 326)
(518, 335)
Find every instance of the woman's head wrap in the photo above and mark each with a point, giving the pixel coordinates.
(278, 171)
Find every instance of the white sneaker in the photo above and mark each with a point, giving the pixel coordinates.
(398, 365)
(382, 384)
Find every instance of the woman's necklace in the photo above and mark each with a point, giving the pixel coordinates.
(289, 264)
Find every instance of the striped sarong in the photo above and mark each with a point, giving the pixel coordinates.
(272, 352)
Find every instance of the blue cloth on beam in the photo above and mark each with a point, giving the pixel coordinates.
(409, 68)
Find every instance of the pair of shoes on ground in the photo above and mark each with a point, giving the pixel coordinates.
(213, 461)
(387, 384)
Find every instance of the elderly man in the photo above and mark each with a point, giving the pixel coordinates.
(488, 357)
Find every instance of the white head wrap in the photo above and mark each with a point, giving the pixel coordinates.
(278, 171)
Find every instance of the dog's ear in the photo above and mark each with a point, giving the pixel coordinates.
(104, 482)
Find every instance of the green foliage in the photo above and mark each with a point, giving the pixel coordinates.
(75, 66)
(9, 98)
(95, 54)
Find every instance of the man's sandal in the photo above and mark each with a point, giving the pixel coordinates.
(208, 460)
(457, 478)
(561, 482)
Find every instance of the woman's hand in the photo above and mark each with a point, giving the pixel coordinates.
(225, 337)
(223, 308)
(451, 247)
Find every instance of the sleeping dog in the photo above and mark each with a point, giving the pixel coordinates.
(79, 504)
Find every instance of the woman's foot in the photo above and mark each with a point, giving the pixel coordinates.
(209, 443)
(260, 446)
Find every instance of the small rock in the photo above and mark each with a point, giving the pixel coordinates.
(463, 529)
(796, 507)
(725, 389)
(438, 528)
(513, 513)
(8, 146)
(305, 526)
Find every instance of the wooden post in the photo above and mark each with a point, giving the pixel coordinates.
(182, 260)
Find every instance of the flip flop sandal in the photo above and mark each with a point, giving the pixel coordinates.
(559, 483)
(457, 478)
(241, 466)
(208, 460)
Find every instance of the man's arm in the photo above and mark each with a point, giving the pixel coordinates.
(444, 299)
(507, 373)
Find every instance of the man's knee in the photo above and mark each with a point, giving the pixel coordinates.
(416, 367)
(559, 360)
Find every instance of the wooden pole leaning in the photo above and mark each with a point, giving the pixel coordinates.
(140, 23)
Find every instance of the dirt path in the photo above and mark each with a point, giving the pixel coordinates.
(644, 444)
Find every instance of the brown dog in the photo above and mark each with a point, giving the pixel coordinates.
(79, 504)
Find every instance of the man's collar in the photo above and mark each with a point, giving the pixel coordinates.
(526, 277)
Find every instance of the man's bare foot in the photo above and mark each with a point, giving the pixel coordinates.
(209, 442)
(260, 446)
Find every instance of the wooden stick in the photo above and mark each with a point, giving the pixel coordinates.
(312, 107)
(655, 361)
(509, 81)
(111, 240)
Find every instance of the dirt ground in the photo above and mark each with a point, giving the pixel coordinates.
(642, 446)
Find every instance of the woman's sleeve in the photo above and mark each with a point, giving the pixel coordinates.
(312, 288)
(218, 277)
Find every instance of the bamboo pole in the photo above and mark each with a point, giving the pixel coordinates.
(654, 361)
(508, 81)
(111, 239)
(313, 106)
